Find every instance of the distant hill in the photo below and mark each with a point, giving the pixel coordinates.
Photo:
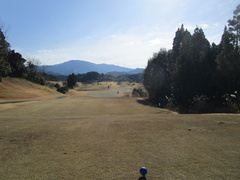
(82, 67)
(133, 71)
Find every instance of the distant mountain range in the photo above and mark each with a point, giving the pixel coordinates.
(82, 67)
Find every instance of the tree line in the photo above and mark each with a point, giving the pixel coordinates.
(91, 77)
(196, 76)
(12, 64)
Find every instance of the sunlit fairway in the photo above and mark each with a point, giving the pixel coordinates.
(96, 132)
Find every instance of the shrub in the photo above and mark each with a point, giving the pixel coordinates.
(201, 105)
(139, 92)
(57, 86)
(232, 103)
(63, 90)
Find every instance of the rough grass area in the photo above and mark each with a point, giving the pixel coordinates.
(78, 136)
(107, 89)
(17, 88)
(97, 86)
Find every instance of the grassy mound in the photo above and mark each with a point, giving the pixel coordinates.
(17, 88)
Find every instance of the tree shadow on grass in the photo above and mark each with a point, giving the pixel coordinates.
(146, 102)
(13, 102)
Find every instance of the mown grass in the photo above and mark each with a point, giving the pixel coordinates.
(98, 86)
(82, 137)
(115, 147)
(70, 106)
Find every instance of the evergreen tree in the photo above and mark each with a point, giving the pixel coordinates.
(234, 25)
(177, 41)
(71, 80)
(200, 45)
(156, 78)
(181, 73)
(4, 49)
(200, 63)
(211, 87)
(194, 74)
(228, 65)
(16, 62)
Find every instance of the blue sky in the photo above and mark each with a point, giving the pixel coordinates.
(120, 32)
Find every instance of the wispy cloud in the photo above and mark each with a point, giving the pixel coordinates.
(204, 26)
(124, 34)
(131, 49)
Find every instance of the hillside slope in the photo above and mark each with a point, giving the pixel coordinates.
(17, 88)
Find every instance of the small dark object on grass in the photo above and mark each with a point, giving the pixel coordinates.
(220, 123)
(143, 171)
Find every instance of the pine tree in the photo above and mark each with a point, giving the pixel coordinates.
(228, 64)
(16, 61)
(234, 25)
(4, 49)
(200, 64)
(71, 80)
(156, 77)
(181, 74)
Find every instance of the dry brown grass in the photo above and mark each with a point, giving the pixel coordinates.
(114, 147)
(82, 137)
(16, 88)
